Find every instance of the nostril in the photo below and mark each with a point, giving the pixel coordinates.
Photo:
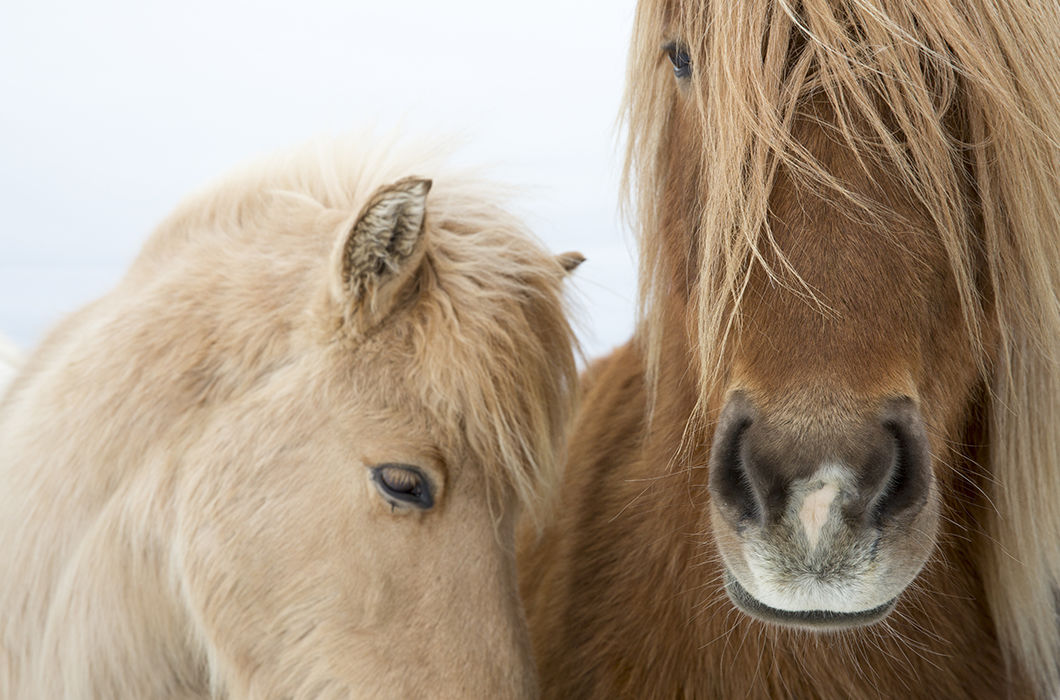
(906, 489)
(729, 479)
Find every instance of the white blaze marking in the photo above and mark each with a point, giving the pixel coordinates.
(814, 511)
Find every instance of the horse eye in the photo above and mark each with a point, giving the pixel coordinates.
(403, 484)
(679, 57)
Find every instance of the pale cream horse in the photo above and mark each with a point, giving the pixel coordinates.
(285, 455)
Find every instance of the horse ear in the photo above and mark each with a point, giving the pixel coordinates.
(380, 253)
(570, 261)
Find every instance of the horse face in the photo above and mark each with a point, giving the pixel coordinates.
(435, 585)
(842, 401)
(351, 547)
(432, 574)
(370, 542)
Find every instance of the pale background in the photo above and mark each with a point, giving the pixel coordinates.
(111, 111)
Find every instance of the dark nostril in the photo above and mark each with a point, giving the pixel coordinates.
(730, 482)
(905, 490)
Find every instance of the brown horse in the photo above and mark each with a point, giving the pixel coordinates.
(828, 463)
(284, 456)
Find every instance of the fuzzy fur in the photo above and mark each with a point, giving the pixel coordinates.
(10, 359)
(188, 509)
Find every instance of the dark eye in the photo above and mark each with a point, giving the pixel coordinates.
(679, 57)
(403, 484)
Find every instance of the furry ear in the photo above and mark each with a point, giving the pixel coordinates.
(375, 259)
(570, 261)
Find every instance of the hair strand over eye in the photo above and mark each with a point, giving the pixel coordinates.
(682, 62)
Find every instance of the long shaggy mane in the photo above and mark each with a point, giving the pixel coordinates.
(488, 340)
(964, 99)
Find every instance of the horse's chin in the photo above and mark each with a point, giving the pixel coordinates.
(815, 620)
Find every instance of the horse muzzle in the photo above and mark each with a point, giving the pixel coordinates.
(821, 522)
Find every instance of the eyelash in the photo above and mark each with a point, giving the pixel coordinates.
(404, 484)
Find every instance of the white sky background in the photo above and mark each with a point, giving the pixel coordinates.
(111, 112)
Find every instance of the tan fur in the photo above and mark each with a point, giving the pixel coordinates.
(10, 359)
(188, 509)
(849, 199)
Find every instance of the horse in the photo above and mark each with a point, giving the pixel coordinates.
(827, 464)
(285, 455)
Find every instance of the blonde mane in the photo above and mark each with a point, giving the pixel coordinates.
(964, 100)
(490, 324)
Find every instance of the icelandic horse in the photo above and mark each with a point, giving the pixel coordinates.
(827, 465)
(284, 456)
